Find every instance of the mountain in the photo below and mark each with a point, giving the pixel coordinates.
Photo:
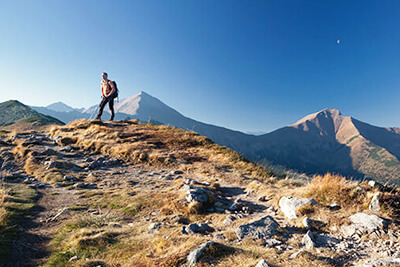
(328, 141)
(13, 112)
(60, 107)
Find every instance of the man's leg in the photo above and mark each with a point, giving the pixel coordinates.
(111, 106)
(101, 107)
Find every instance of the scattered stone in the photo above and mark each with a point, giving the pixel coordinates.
(263, 198)
(363, 223)
(373, 183)
(195, 255)
(294, 255)
(115, 225)
(229, 219)
(262, 263)
(179, 219)
(263, 228)
(176, 172)
(197, 228)
(374, 205)
(80, 185)
(153, 227)
(388, 261)
(272, 242)
(289, 205)
(197, 194)
(308, 240)
(334, 206)
(65, 141)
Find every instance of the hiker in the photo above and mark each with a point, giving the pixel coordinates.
(109, 91)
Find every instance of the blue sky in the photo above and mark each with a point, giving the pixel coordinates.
(246, 65)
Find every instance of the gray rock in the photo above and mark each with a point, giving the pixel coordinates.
(374, 205)
(153, 227)
(229, 219)
(388, 261)
(307, 222)
(262, 263)
(363, 223)
(272, 242)
(197, 228)
(308, 240)
(197, 194)
(263, 228)
(289, 205)
(195, 255)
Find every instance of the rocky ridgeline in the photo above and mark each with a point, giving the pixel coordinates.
(366, 240)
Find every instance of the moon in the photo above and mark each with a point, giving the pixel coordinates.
(338, 41)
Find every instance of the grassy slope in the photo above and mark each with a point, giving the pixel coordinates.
(13, 112)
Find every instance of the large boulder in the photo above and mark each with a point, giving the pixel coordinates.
(363, 223)
(263, 228)
(289, 205)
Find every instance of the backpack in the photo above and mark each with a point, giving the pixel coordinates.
(115, 95)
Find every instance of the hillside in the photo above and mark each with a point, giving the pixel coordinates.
(15, 114)
(131, 194)
(325, 141)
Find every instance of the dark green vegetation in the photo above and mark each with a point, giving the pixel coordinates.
(12, 111)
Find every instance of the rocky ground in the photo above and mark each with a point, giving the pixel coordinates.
(231, 214)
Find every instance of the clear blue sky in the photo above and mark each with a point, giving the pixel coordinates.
(246, 65)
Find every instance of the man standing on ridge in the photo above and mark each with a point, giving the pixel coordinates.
(109, 91)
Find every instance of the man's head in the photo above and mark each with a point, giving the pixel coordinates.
(104, 75)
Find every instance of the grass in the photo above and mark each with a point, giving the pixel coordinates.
(17, 203)
(160, 145)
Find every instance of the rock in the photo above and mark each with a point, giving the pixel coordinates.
(176, 172)
(229, 219)
(374, 205)
(373, 183)
(263, 228)
(388, 261)
(179, 219)
(153, 227)
(65, 141)
(197, 194)
(289, 205)
(363, 223)
(263, 198)
(272, 242)
(238, 205)
(308, 240)
(262, 263)
(307, 222)
(334, 206)
(195, 255)
(115, 225)
(197, 228)
(80, 185)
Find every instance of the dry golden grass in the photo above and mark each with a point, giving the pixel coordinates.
(3, 211)
(329, 188)
(161, 146)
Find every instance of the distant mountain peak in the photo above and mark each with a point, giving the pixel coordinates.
(60, 107)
